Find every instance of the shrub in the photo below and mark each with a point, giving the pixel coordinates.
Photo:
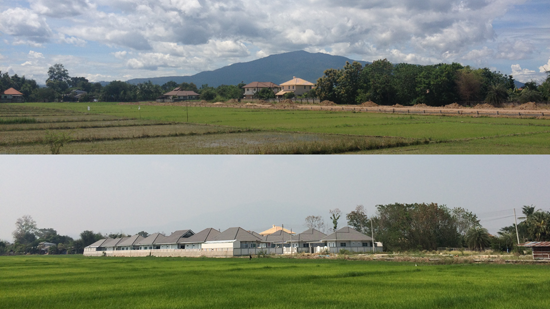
(56, 140)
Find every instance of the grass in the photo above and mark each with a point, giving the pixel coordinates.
(357, 132)
(17, 120)
(78, 282)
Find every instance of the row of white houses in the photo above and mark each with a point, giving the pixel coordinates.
(234, 241)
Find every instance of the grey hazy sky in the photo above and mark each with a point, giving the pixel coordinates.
(166, 193)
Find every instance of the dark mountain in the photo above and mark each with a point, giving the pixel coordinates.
(518, 84)
(275, 68)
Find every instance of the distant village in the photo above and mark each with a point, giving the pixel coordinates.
(234, 241)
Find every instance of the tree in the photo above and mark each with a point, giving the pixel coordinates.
(169, 86)
(89, 237)
(327, 85)
(57, 72)
(289, 95)
(265, 94)
(478, 238)
(315, 222)
(497, 94)
(335, 216)
(528, 95)
(359, 220)
(376, 82)
(468, 84)
(143, 234)
(464, 220)
(25, 227)
(348, 83)
(207, 94)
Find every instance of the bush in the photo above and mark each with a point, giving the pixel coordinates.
(528, 95)
(289, 95)
(57, 140)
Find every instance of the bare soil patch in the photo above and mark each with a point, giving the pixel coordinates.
(369, 104)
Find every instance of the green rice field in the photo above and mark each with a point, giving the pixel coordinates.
(114, 128)
(80, 282)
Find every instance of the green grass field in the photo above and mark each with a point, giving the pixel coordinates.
(79, 282)
(447, 134)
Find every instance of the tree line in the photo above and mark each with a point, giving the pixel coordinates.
(27, 239)
(60, 86)
(429, 226)
(408, 84)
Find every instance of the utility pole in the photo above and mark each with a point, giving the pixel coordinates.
(372, 233)
(516, 220)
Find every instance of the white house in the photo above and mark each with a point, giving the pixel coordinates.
(196, 241)
(349, 239)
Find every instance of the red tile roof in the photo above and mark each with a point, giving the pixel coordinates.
(12, 92)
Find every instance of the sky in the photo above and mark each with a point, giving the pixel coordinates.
(106, 40)
(112, 194)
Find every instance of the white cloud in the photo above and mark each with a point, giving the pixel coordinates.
(545, 68)
(517, 50)
(35, 55)
(120, 54)
(60, 8)
(24, 23)
(30, 43)
(525, 75)
(26, 63)
(479, 54)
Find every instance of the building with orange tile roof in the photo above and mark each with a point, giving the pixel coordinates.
(297, 85)
(275, 229)
(12, 96)
(252, 88)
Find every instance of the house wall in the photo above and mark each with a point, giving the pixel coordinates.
(228, 252)
(541, 253)
(222, 245)
(249, 92)
(349, 248)
(297, 89)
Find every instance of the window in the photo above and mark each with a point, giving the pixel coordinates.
(305, 245)
(365, 244)
(342, 244)
(252, 245)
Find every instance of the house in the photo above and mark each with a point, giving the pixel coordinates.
(349, 239)
(179, 95)
(148, 243)
(275, 229)
(234, 241)
(307, 241)
(94, 249)
(541, 249)
(110, 244)
(171, 242)
(277, 239)
(12, 96)
(129, 243)
(196, 241)
(254, 87)
(297, 85)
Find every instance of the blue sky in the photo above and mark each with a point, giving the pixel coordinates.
(124, 39)
(167, 193)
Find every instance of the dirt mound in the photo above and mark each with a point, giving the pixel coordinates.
(218, 103)
(327, 103)
(484, 106)
(203, 101)
(262, 102)
(453, 105)
(397, 105)
(287, 101)
(528, 106)
(369, 104)
(421, 105)
(232, 101)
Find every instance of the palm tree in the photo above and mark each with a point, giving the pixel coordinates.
(537, 225)
(477, 238)
(497, 94)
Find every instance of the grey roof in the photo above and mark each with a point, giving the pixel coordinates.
(236, 233)
(129, 241)
(110, 242)
(347, 234)
(97, 243)
(173, 238)
(149, 240)
(200, 237)
(278, 237)
(309, 235)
